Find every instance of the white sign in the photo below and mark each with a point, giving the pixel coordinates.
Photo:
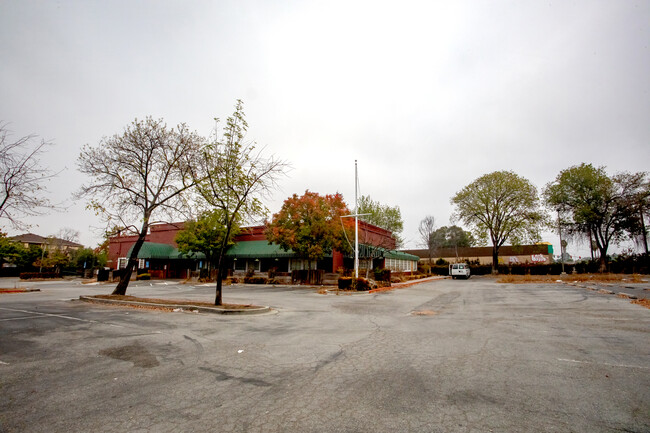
(538, 258)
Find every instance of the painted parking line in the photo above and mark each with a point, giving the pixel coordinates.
(576, 361)
(21, 318)
(37, 313)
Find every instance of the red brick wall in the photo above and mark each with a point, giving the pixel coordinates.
(119, 246)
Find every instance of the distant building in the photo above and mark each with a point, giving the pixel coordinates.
(47, 243)
(508, 254)
(160, 257)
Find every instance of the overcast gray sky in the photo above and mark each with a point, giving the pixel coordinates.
(427, 96)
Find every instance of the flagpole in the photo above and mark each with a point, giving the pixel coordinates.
(356, 222)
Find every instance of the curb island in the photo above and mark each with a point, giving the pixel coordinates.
(183, 307)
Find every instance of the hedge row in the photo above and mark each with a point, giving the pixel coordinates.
(617, 266)
(254, 280)
(30, 275)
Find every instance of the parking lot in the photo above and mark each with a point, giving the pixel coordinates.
(441, 356)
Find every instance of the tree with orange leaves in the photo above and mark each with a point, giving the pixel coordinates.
(311, 225)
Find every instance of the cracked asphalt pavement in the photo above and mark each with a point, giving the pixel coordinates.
(441, 356)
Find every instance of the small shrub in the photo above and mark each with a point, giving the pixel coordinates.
(250, 273)
(441, 262)
(143, 277)
(345, 283)
(382, 274)
(362, 285)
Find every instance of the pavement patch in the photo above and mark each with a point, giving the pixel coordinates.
(135, 353)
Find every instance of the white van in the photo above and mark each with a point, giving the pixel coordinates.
(459, 270)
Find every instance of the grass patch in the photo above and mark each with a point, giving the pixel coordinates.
(569, 278)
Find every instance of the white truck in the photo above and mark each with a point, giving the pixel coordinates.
(458, 270)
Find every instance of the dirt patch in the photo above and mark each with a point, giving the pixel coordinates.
(645, 302)
(424, 313)
(570, 278)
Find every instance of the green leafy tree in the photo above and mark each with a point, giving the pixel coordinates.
(206, 235)
(28, 256)
(55, 259)
(384, 216)
(635, 190)
(233, 178)
(10, 251)
(311, 225)
(500, 206)
(85, 258)
(452, 237)
(141, 174)
(17, 254)
(591, 203)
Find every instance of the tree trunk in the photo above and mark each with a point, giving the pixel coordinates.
(644, 233)
(133, 259)
(495, 260)
(218, 299)
(602, 261)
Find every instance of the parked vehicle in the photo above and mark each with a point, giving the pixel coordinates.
(459, 270)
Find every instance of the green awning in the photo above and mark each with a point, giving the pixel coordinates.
(258, 250)
(399, 255)
(371, 251)
(154, 250)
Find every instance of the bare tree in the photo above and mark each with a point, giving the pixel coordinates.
(427, 229)
(143, 173)
(68, 234)
(22, 178)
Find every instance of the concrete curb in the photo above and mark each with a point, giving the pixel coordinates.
(407, 284)
(183, 307)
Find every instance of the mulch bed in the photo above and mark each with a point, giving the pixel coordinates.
(175, 302)
(570, 278)
(644, 302)
(19, 290)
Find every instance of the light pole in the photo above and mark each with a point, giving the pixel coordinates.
(559, 229)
